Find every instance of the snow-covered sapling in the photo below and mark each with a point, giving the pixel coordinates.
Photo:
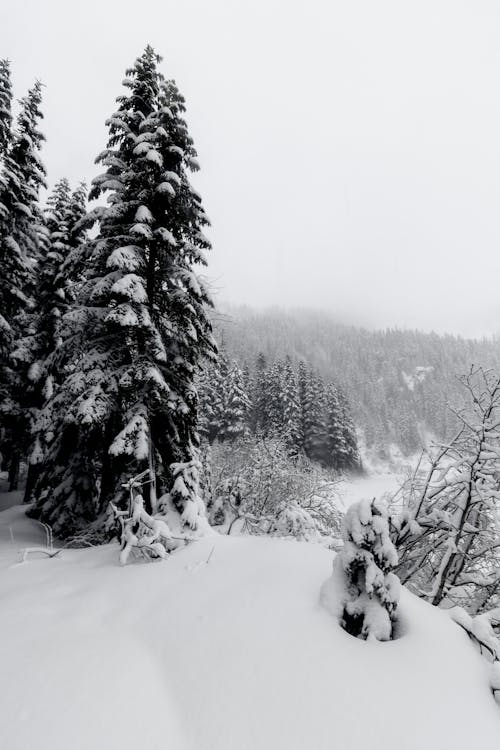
(370, 591)
(185, 493)
(142, 531)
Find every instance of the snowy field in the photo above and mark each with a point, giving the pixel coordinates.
(367, 486)
(224, 646)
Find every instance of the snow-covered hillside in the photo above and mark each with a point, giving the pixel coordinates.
(222, 646)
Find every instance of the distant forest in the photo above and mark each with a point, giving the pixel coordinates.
(398, 383)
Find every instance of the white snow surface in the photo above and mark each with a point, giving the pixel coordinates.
(222, 646)
(367, 486)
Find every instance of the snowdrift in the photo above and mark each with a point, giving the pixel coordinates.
(231, 654)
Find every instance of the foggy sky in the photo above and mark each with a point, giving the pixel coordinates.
(349, 150)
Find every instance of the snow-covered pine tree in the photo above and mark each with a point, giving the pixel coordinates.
(224, 402)
(292, 418)
(302, 380)
(272, 423)
(314, 418)
(259, 396)
(337, 448)
(5, 108)
(363, 591)
(40, 352)
(348, 455)
(23, 174)
(236, 405)
(210, 397)
(142, 324)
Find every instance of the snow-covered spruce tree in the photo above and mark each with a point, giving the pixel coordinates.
(210, 395)
(5, 108)
(447, 535)
(363, 591)
(224, 402)
(141, 324)
(21, 222)
(273, 385)
(40, 353)
(292, 418)
(314, 420)
(348, 453)
(337, 447)
(258, 396)
(236, 405)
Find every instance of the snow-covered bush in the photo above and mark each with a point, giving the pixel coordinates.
(139, 530)
(447, 534)
(363, 592)
(259, 488)
(482, 630)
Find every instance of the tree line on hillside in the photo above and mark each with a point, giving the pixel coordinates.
(102, 333)
(310, 415)
(398, 382)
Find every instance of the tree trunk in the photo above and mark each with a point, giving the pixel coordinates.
(15, 460)
(33, 474)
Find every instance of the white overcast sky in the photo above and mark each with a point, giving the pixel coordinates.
(349, 149)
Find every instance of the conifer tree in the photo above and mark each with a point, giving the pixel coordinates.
(39, 351)
(236, 405)
(5, 108)
(23, 175)
(210, 396)
(349, 454)
(302, 378)
(259, 396)
(337, 447)
(224, 402)
(365, 565)
(292, 418)
(274, 399)
(141, 326)
(314, 410)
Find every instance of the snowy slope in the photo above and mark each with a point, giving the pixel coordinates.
(233, 654)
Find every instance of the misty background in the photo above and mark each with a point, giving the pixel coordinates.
(349, 151)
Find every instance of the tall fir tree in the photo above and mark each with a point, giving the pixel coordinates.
(236, 405)
(224, 401)
(337, 447)
(258, 396)
(141, 325)
(210, 387)
(39, 352)
(349, 456)
(314, 410)
(292, 417)
(21, 222)
(273, 394)
(5, 108)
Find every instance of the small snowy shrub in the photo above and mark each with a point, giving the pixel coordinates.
(481, 629)
(369, 591)
(139, 530)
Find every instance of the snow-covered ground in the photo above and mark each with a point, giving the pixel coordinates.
(367, 486)
(224, 646)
